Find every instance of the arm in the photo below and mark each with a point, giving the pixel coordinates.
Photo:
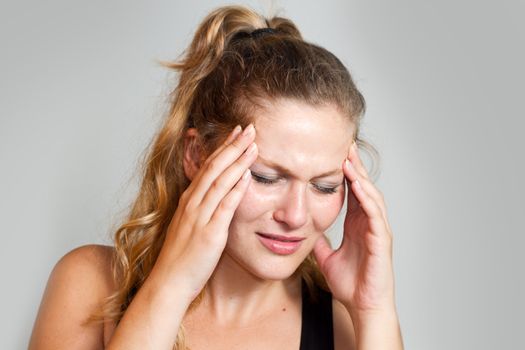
(365, 331)
(146, 324)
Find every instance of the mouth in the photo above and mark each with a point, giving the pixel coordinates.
(281, 245)
(281, 238)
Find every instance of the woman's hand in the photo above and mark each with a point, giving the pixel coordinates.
(198, 231)
(359, 273)
(195, 240)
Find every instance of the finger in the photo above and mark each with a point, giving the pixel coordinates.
(222, 217)
(354, 157)
(376, 219)
(352, 203)
(367, 202)
(213, 167)
(353, 175)
(231, 137)
(224, 183)
(322, 250)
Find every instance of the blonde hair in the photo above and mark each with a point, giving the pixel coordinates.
(224, 75)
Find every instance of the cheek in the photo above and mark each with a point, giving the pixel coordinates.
(253, 205)
(257, 202)
(325, 211)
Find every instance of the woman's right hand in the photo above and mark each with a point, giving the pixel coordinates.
(198, 231)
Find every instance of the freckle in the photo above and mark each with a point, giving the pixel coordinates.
(284, 309)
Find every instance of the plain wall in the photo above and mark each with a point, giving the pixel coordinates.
(81, 96)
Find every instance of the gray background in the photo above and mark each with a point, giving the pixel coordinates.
(81, 96)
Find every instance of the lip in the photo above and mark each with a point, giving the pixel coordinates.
(278, 244)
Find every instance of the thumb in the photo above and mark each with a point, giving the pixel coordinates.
(322, 250)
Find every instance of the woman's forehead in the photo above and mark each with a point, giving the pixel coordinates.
(303, 138)
(290, 121)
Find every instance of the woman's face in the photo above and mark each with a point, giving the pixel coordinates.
(297, 187)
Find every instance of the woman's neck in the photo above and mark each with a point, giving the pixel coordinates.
(235, 297)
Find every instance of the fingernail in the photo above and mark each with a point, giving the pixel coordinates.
(246, 174)
(236, 131)
(348, 164)
(251, 149)
(249, 129)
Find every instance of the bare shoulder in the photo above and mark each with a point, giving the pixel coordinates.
(93, 256)
(78, 284)
(88, 265)
(344, 336)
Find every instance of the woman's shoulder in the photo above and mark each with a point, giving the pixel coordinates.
(95, 255)
(76, 288)
(88, 265)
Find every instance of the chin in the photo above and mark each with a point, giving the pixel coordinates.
(275, 274)
(268, 266)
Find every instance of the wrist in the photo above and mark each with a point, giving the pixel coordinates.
(167, 284)
(372, 309)
(377, 329)
(375, 317)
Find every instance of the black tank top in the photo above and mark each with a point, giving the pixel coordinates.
(317, 331)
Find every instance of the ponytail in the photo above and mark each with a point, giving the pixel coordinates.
(207, 47)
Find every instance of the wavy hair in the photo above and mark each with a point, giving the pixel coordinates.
(224, 75)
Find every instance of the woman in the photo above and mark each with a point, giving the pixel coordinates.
(224, 247)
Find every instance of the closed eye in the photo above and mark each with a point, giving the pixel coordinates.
(270, 181)
(263, 179)
(326, 190)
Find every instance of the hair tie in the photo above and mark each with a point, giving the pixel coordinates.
(257, 33)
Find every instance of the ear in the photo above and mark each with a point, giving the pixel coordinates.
(192, 153)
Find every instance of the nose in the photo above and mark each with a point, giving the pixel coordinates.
(292, 208)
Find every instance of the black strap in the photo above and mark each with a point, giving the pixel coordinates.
(256, 34)
(262, 31)
(317, 331)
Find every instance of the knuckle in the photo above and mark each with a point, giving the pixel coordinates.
(218, 184)
(227, 204)
(233, 200)
(211, 157)
(192, 204)
(212, 166)
(185, 196)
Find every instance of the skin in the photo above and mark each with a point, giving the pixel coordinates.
(251, 300)
(250, 282)
(290, 201)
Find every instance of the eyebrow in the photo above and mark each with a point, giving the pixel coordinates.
(288, 172)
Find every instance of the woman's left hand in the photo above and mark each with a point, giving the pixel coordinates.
(360, 272)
